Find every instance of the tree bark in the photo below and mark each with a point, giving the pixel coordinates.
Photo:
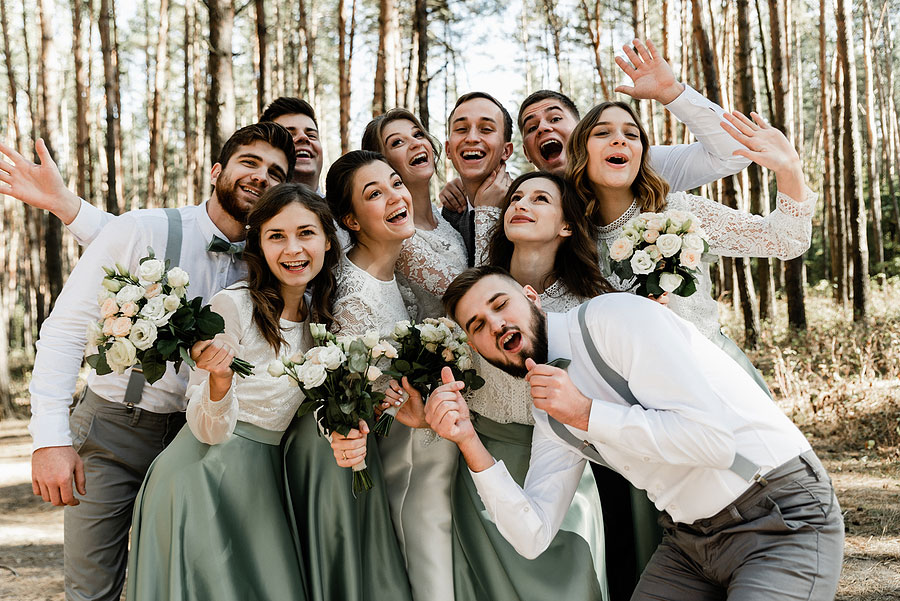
(828, 191)
(592, 23)
(853, 189)
(871, 144)
(160, 76)
(11, 79)
(555, 28)
(190, 154)
(308, 33)
(386, 64)
(842, 266)
(343, 77)
(82, 134)
(220, 118)
(262, 80)
(421, 27)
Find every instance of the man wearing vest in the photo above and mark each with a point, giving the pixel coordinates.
(748, 511)
(121, 424)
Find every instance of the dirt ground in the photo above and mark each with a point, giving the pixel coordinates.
(868, 487)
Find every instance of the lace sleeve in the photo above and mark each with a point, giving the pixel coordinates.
(784, 233)
(486, 219)
(429, 267)
(212, 422)
(354, 316)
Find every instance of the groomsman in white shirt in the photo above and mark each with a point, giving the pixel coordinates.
(94, 461)
(748, 510)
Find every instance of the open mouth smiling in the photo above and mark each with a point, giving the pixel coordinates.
(419, 159)
(473, 155)
(551, 149)
(304, 154)
(397, 216)
(617, 159)
(251, 191)
(295, 266)
(511, 341)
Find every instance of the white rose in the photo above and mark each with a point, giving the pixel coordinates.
(312, 374)
(655, 223)
(372, 373)
(401, 329)
(151, 270)
(345, 341)
(171, 302)
(152, 290)
(631, 234)
(317, 330)
(447, 354)
(121, 355)
(276, 368)
(371, 338)
(95, 335)
(155, 311)
(178, 278)
(297, 358)
(390, 351)
(677, 218)
(464, 362)
(692, 241)
(430, 333)
(130, 294)
(180, 291)
(105, 294)
(650, 236)
(621, 249)
(447, 322)
(143, 334)
(689, 258)
(312, 355)
(668, 244)
(638, 223)
(654, 253)
(446, 334)
(670, 281)
(642, 263)
(431, 347)
(331, 357)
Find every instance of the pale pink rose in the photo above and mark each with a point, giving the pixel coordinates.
(650, 236)
(655, 223)
(153, 290)
(121, 327)
(129, 309)
(689, 258)
(621, 249)
(108, 325)
(109, 308)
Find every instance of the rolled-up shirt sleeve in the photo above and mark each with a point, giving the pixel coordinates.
(529, 518)
(88, 223)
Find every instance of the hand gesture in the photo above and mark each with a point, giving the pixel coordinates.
(453, 196)
(492, 191)
(52, 471)
(447, 412)
(651, 75)
(350, 450)
(409, 400)
(553, 391)
(215, 357)
(662, 299)
(40, 186)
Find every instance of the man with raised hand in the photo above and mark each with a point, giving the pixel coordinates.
(121, 423)
(748, 510)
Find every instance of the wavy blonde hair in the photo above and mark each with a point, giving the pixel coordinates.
(648, 187)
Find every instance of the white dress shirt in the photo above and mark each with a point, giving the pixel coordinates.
(698, 408)
(61, 346)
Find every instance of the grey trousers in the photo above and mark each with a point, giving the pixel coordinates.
(781, 541)
(117, 444)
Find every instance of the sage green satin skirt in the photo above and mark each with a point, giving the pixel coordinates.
(210, 522)
(487, 568)
(347, 545)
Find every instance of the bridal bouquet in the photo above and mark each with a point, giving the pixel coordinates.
(146, 318)
(425, 349)
(336, 377)
(662, 251)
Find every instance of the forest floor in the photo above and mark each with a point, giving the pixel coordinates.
(839, 383)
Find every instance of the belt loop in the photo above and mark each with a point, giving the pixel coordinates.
(804, 457)
(135, 413)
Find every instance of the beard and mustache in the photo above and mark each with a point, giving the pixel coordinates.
(538, 349)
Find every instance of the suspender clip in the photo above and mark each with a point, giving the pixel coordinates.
(760, 479)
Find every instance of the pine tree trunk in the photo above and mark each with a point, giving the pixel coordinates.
(190, 154)
(871, 145)
(555, 28)
(11, 79)
(160, 77)
(114, 186)
(421, 27)
(668, 118)
(308, 34)
(82, 134)
(220, 117)
(853, 189)
(592, 24)
(386, 63)
(842, 265)
(262, 81)
(828, 191)
(343, 77)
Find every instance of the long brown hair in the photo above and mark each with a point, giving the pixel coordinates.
(576, 262)
(648, 187)
(373, 139)
(264, 287)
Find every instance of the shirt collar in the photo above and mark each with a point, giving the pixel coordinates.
(558, 343)
(208, 228)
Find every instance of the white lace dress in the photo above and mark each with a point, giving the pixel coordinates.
(417, 475)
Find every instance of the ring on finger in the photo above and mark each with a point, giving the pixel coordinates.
(344, 455)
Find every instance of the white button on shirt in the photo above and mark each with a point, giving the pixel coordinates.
(698, 408)
(61, 346)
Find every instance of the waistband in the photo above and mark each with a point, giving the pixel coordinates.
(257, 434)
(96, 401)
(805, 464)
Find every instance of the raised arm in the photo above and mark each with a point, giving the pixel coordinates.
(428, 266)
(41, 186)
(684, 166)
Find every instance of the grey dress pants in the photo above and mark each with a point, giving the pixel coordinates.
(117, 443)
(780, 541)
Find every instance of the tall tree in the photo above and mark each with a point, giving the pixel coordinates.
(826, 124)
(262, 78)
(345, 58)
(793, 274)
(594, 27)
(11, 78)
(871, 141)
(114, 186)
(160, 77)
(220, 117)
(741, 265)
(190, 154)
(82, 133)
(420, 23)
(308, 35)
(842, 264)
(853, 189)
(385, 96)
(555, 28)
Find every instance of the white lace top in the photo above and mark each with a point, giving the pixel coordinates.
(363, 302)
(784, 233)
(260, 398)
(506, 399)
(429, 261)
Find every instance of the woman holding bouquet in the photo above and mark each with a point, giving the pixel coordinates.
(210, 519)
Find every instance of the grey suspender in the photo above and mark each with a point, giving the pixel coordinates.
(741, 466)
(174, 235)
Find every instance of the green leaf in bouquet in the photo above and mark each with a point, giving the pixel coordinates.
(167, 347)
(348, 407)
(477, 382)
(420, 367)
(623, 270)
(401, 365)
(98, 362)
(209, 322)
(307, 406)
(651, 284)
(153, 370)
(688, 285)
(186, 357)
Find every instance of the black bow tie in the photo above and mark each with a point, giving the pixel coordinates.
(218, 245)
